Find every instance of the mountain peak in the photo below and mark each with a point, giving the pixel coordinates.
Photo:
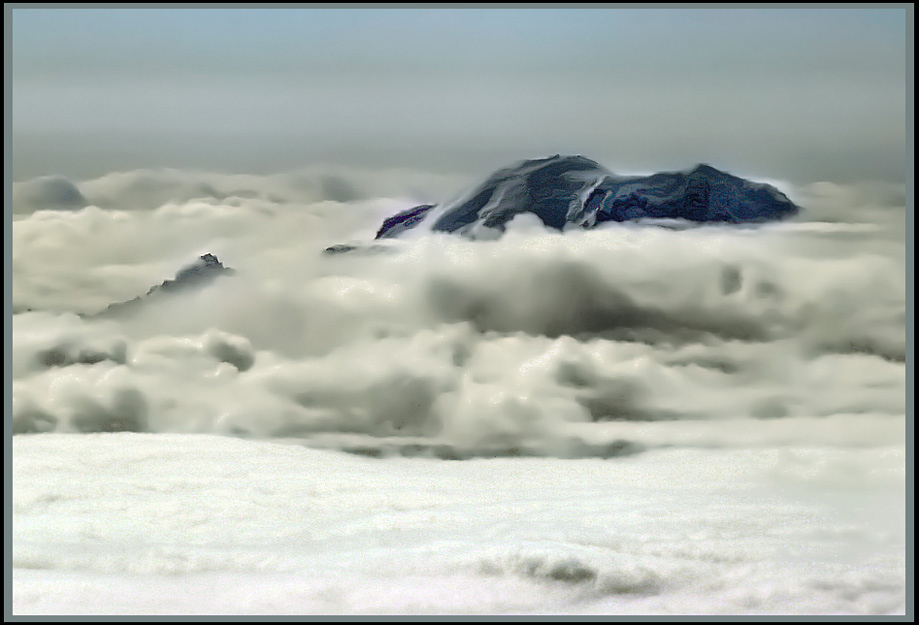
(205, 269)
(575, 190)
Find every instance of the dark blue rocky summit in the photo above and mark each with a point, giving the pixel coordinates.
(573, 191)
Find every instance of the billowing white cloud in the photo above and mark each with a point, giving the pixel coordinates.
(461, 347)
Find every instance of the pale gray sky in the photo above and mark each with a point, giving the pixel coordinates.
(802, 95)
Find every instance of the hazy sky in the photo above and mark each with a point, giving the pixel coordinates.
(796, 94)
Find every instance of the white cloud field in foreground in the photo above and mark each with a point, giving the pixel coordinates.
(171, 524)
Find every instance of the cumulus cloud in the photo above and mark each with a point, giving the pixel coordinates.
(602, 342)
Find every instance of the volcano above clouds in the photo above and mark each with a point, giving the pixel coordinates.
(574, 191)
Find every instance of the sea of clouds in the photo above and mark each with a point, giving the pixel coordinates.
(538, 342)
(734, 373)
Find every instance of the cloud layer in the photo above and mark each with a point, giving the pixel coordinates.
(600, 342)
